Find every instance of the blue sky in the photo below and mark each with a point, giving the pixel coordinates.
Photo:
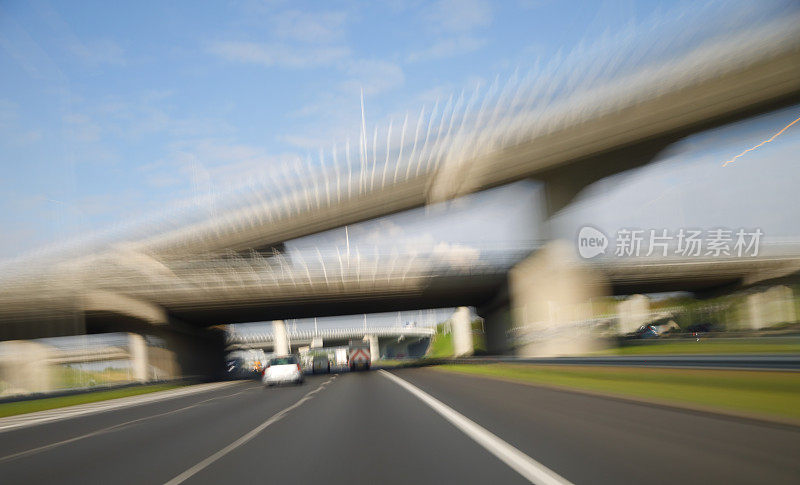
(109, 112)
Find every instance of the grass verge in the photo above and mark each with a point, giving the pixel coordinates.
(760, 394)
(22, 407)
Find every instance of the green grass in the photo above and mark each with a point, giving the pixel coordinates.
(68, 377)
(442, 343)
(441, 346)
(707, 346)
(765, 394)
(22, 407)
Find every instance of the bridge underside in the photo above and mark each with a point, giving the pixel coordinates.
(256, 311)
(438, 292)
(708, 286)
(478, 291)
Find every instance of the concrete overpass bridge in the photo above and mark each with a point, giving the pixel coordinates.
(235, 289)
(389, 341)
(28, 366)
(566, 129)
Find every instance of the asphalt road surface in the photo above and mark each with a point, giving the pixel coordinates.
(368, 428)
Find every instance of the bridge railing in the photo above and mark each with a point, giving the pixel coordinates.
(334, 334)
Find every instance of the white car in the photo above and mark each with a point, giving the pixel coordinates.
(282, 370)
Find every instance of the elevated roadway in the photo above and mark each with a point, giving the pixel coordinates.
(222, 290)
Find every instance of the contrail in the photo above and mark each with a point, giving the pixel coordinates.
(776, 135)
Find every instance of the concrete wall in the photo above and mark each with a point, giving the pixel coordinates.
(163, 364)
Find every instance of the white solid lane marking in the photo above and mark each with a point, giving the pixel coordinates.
(523, 464)
(245, 438)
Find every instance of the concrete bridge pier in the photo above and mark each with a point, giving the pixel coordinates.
(137, 348)
(25, 368)
(551, 299)
(374, 346)
(281, 337)
(633, 313)
(770, 307)
(462, 332)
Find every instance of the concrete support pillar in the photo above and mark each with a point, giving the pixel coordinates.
(462, 332)
(137, 348)
(281, 337)
(24, 368)
(633, 312)
(771, 307)
(374, 347)
(162, 363)
(551, 298)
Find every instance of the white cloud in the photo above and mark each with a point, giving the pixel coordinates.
(318, 27)
(532, 4)
(8, 113)
(80, 127)
(97, 52)
(374, 76)
(216, 164)
(447, 48)
(277, 54)
(458, 15)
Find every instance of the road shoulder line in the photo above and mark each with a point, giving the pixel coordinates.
(523, 464)
(69, 412)
(777, 422)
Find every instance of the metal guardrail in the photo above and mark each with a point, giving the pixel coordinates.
(790, 362)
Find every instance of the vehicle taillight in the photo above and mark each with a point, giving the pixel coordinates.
(298, 367)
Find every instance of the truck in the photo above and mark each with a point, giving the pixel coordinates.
(321, 364)
(358, 356)
(340, 357)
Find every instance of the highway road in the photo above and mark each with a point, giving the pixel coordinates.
(370, 427)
